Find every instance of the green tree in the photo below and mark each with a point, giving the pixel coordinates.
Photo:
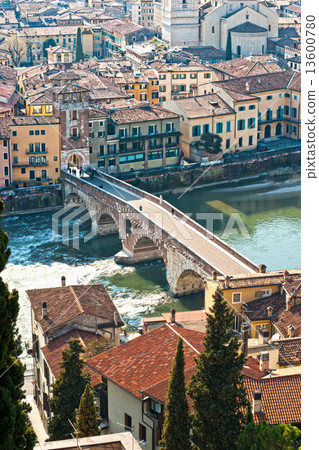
(15, 430)
(229, 53)
(87, 420)
(175, 435)
(217, 387)
(263, 436)
(46, 44)
(79, 55)
(210, 143)
(67, 391)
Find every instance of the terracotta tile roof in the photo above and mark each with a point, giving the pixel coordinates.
(147, 359)
(287, 79)
(260, 279)
(7, 107)
(283, 319)
(192, 66)
(248, 27)
(120, 27)
(53, 352)
(204, 106)
(257, 309)
(293, 287)
(254, 65)
(289, 351)
(68, 302)
(4, 127)
(39, 120)
(142, 114)
(280, 398)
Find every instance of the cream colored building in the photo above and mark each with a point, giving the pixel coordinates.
(59, 55)
(143, 13)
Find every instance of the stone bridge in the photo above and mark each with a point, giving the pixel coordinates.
(151, 228)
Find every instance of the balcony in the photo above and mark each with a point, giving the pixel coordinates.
(111, 137)
(74, 138)
(36, 153)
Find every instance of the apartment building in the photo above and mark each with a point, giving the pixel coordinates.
(35, 145)
(135, 138)
(142, 85)
(5, 153)
(143, 13)
(180, 80)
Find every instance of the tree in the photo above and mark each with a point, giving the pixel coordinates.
(210, 143)
(175, 434)
(217, 387)
(46, 44)
(79, 55)
(67, 391)
(87, 421)
(263, 436)
(229, 53)
(16, 53)
(97, 345)
(15, 430)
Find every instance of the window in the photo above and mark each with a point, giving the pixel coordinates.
(5, 143)
(122, 133)
(269, 27)
(266, 292)
(213, 29)
(90, 124)
(6, 170)
(286, 110)
(31, 132)
(228, 126)
(135, 131)
(251, 123)
(142, 433)
(172, 153)
(101, 150)
(101, 134)
(293, 130)
(295, 97)
(43, 174)
(241, 124)
(206, 128)
(251, 140)
(111, 148)
(15, 160)
(240, 142)
(241, 108)
(287, 129)
(269, 114)
(237, 297)
(56, 169)
(32, 174)
(155, 155)
(193, 76)
(219, 127)
(293, 112)
(269, 97)
(152, 129)
(252, 106)
(37, 132)
(196, 130)
(227, 143)
(43, 132)
(280, 95)
(42, 146)
(287, 95)
(207, 75)
(23, 171)
(74, 115)
(162, 77)
(55, 158)
(5, 156)
(101, 163)
(14, 133)
(15, 147)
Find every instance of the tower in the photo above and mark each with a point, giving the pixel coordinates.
(180, 22)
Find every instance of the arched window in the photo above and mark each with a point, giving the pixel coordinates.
(267, 131)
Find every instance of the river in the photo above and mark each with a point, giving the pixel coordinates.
(270, 211)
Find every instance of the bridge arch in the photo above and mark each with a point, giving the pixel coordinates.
(106, 224)
(189, 282)
(145, 249)
(74, 199)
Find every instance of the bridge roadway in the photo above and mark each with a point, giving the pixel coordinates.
(211, 252)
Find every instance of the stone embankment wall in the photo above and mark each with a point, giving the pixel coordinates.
(31, 199)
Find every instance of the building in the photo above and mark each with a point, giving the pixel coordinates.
(35, 145)
(59, 55)
(5, 153)
(192, 320)
(279, 101)
(134, 138)
(180, 22)
(143, 13)
(180, 80)
(142, 85)
(121, 441)
(58, 314)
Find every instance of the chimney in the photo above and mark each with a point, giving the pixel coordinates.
(286, 273)
(172, 315)
(262, 268)
(116, 319)
(63, 280)
(263, 336)
(44, 310)
(256, 402)
(291, 331)
(244, 336)
(214, 275)
(288, 303)
(227, 281)
(264, 362)
(269, 311)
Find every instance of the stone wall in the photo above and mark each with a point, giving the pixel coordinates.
(33, 198)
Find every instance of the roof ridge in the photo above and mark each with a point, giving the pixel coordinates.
(77, 299)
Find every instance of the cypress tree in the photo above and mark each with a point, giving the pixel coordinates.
(15, 430)
(79, 55)
(217, 387)
(87, 422)
(67, 391)
(175, 434)
(228, 48)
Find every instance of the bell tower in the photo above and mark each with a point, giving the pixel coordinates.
(180, 22)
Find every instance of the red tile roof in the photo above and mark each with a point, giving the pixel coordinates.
(283, 318)
(68, 302)
(289, 352)
(53, 352)
(147, 359)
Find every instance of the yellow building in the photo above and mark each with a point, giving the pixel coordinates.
(267, 300)
(35, 145)
(142, 85)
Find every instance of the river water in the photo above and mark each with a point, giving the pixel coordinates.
(270, 211)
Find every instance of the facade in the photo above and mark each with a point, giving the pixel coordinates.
(180, 22)
(143, 13)
(35, 150)
(180, 80)
(136, 138)
(59, 55)
(5, 153)
(142, 85)
(83, 319)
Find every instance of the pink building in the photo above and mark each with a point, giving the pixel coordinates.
(5, 153)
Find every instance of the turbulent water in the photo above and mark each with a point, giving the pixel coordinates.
(270, 212)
